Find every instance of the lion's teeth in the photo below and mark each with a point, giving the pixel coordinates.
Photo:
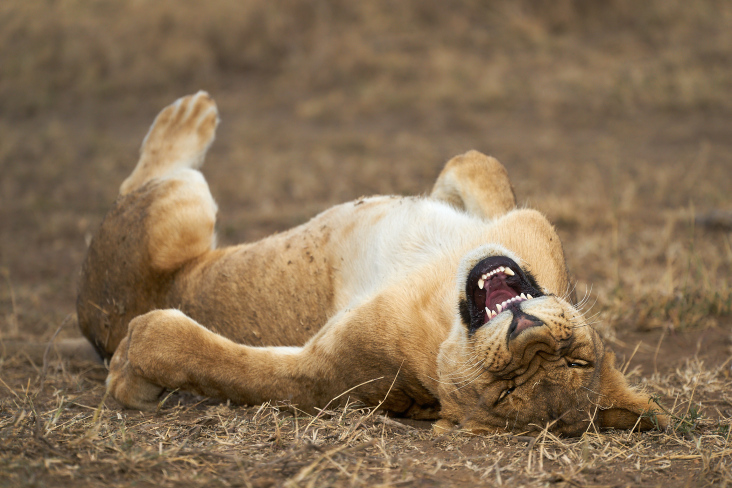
(528, 297)
(523, 296)
(481, 283)
(500, 269)
(499, 307)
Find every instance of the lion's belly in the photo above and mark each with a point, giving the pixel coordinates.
(401, 237)
(270, 293)
(280, 291)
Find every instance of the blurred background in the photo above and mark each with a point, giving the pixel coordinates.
(613, 117)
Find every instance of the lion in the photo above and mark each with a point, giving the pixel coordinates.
(449, 307)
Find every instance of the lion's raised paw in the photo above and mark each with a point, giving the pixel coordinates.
(178, 138)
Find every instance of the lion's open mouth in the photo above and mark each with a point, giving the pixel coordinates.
(496, 284)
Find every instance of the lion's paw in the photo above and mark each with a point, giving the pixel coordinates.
(178, 138)
(183, 131)
(127, 387)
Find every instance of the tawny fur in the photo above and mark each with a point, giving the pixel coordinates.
(366, 293)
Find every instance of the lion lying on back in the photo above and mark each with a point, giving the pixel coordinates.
(448, 307)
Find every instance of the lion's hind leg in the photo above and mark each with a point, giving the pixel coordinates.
(477, 184)
(178, 139)
(164, 217)
(145, 238)
(180, 221)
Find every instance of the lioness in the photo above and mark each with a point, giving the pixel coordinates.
(452, 306)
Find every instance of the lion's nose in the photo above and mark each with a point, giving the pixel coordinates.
(521, 322)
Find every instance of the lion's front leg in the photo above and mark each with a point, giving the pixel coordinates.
(355, 355)
(167, 349)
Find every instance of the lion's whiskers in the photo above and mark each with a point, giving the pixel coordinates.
(464, 370)
(589, 320)
(583, 302)
(467, 372)
(468, 378)
(568, 292)
(478, 375)
(593, 316)
(582, 307)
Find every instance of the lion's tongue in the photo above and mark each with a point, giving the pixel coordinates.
(498, 292)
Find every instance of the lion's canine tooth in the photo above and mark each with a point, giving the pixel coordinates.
(528, 297)
(509, 271)
(481, 283)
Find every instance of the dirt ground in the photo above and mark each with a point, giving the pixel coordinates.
(613, 118)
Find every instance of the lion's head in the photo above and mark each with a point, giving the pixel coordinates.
(522, 358)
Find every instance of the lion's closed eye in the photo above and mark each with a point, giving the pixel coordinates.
(504, 394)
(577, 363)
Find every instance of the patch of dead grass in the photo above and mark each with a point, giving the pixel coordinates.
(60, 428)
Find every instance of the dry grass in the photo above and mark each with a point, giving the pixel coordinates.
(612, 117)
(59, 429)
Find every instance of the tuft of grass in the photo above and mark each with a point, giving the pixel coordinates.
(689, 422)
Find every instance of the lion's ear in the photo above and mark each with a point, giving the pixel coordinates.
(621, 407)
